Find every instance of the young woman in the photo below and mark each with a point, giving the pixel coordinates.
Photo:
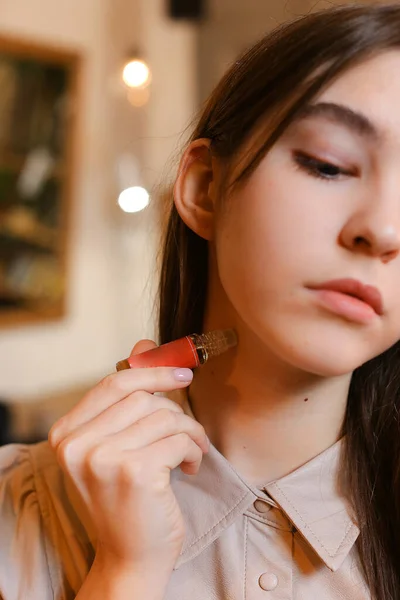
(284, 225)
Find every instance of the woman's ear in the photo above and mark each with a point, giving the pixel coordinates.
(193, 192)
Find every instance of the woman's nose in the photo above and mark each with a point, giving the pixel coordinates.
(374, 233)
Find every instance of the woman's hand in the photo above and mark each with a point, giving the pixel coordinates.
(119, 445)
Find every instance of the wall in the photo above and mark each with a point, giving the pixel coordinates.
(233, 25)
(110, 253)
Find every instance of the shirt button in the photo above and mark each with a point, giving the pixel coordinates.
(268, 581)
(261, 506)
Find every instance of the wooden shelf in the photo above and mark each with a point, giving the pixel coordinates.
(8, 295)
(40, 110)
(14, 162)
(10, 299)
(11, 244)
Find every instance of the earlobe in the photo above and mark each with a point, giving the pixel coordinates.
(193, 190)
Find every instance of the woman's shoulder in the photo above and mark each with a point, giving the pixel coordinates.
(23, 465)
(45, 544)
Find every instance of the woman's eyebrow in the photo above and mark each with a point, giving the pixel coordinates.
(355, 121)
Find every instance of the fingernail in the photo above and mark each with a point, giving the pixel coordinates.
(183, 374)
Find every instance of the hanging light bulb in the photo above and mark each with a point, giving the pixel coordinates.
(133, 199)
(136, 73)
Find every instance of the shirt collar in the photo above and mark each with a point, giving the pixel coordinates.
(310, 497)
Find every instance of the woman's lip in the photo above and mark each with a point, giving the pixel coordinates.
(368, 294)
(353, 309)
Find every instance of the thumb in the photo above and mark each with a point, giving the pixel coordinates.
(142, 346)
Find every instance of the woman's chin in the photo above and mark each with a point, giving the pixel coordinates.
(325, 358)
(327, 367)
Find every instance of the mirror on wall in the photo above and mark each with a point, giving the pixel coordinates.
(38, 110)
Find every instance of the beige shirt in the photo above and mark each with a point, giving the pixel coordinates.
(294, 539)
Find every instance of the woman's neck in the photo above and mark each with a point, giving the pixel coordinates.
(264, 417)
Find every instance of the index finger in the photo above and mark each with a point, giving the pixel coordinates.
(117, 386)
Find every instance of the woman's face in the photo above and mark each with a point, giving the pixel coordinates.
(324, 204)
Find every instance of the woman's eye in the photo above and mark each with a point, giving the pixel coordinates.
(319, 168)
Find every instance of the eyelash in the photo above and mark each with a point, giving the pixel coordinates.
(313, 166)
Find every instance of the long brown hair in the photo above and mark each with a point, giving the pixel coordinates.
(275, 79)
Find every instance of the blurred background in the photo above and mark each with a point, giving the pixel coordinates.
(96, 97)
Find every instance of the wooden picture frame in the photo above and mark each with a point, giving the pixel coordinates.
(39, 104)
